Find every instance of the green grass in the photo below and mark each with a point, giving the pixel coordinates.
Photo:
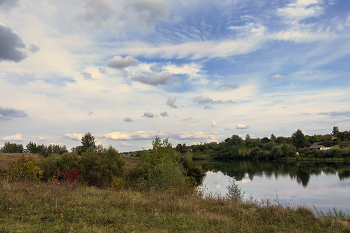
(65, 207)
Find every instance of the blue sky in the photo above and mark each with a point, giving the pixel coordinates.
(194, 71)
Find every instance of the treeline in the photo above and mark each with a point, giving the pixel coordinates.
(160, 167)
(33, 148)
(275, 148)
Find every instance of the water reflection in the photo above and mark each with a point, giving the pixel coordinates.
(323, 185)
(299, 171)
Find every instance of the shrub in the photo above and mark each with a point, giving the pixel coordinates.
(167, 175)
(117, 183)
(71, 175)
(25, 170)
(234, 192)
(98, 168)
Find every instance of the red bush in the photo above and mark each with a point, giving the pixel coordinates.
(70, 175)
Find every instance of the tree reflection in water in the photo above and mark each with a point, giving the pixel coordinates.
(300, 171)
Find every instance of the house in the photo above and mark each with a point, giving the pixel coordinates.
(317, 146)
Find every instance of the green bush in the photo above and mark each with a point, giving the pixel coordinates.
(98, 168)
(167, 175)
(24, 170)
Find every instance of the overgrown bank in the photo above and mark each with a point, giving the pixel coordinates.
(95, 192)
(70, 207)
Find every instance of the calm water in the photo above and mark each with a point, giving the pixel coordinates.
(323, 185)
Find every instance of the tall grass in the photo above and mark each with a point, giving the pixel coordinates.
(72, 207)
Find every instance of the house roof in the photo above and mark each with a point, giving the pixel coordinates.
(316, 145)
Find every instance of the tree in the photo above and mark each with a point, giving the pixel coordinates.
(32, 148)
(335, 130)
(183, 149)
(87, 141)
(12, 148)
(272, 136)
(265, 140)
(247, 137)
(298, 139)
(178, 147)
(234, 140)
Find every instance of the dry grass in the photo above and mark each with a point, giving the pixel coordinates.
(7, 158)
(46, 207)
(130, 161)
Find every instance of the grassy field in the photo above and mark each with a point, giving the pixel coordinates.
(74, 207)
(66, 207)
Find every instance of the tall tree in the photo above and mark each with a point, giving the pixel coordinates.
(32, 148)
(298, 139)
(247, 137)
(335, 130)
(87, 141)
(272, 136)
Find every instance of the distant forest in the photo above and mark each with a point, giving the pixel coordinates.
(334, 145)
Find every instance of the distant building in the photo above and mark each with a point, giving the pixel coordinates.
(317, 146)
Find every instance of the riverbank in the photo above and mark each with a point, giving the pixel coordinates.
(70, 207)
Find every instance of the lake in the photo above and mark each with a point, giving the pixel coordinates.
(321, 184)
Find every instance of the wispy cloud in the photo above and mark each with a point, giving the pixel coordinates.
(207, 100)
(17, 138)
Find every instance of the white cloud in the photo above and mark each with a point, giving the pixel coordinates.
(207, 107)
(300, 9)
(98, 143)
(228, 85)
(193, 70)
(277, 77)
(86, 75)
(143, 135)
(139, 135)
(156, 68)
(102, 69)
(213, 123)
(157, 79)
(242, 126)
(96, 12)
(8, 4)
(148, 114)
(190, 120)
(34, 48)
(144, 12)
(74, 136)
(171, 101)
(120, 63)
(17, 138)
(198, 50)
(127, 119)
(207, 100)
(125, 144)
(164, 114)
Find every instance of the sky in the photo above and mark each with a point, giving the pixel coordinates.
(192, 71)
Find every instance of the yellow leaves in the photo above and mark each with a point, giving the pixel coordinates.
(24, 169)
